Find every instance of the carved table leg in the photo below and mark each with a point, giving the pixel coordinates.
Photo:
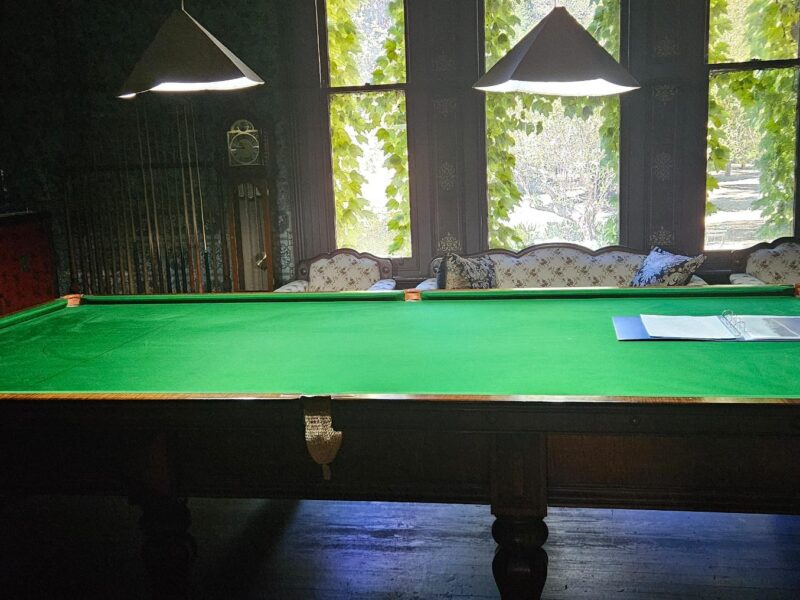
(519, 503)
(520, 563)
(169, 550)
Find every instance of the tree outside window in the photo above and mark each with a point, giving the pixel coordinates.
(752, 121)
(552, 163)
(366, 56)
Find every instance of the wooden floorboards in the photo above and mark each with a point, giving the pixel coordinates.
(84, 548)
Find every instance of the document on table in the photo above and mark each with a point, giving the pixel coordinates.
(745, 328)
(688, 328)
(754, 328)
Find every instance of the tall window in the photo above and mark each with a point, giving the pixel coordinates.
(752, 121)
(366, 76)
(552, 163)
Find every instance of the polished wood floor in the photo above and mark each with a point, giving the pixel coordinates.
(84, 548)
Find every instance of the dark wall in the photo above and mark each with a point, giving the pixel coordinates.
(63, 63)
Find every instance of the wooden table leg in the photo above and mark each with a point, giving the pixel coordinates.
(169, 550)
(519, 503)
(520, 562)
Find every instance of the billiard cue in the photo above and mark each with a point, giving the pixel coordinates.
(181, 248)
(172, 267)
(126, 221)
(102, 179)
(206, 256)
(68, 199)
(92, 231)
(112, 229)
(159, 266)
(80, 221)
(136, 249)
(91, 247)
(200, 283)
(189, 248)
(172, 195)
(108, 224)
(182, 274)
(147, 279)
(122, 229)
(222, 215)
(162, 212)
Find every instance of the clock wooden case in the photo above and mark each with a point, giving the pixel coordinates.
(249, 193)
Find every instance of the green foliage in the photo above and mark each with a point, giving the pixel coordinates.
(717, 151)
(389, 120)
(763, 102)
(507, 114)
(772, 28)
(347, 122)
(343, 42)
(774, 115)
(356, 117)
(504, 113)
(352, 209)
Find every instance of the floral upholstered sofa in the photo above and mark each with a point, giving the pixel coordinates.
(342, 270)
(769, 263)
(560, 265)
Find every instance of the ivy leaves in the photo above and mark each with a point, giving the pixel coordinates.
(764, 99)
(509, 115)
(358, 119)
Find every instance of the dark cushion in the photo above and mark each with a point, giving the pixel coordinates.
(457, 272)
(664, 269)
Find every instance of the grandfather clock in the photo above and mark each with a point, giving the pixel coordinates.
(249, 224)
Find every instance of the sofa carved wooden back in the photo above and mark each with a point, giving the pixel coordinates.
(775, 262)
(561, 265)
(343, 269)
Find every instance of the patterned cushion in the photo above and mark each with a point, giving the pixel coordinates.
(298, 285)
(458, 273)
(664, 269)
(745, 279)
(565, 267)
(779, 265)
(383, 285)
(342, 272)
(428, 284)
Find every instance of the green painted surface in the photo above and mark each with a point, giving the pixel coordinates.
(539, 345)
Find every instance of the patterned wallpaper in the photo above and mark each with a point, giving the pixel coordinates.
(63, 116)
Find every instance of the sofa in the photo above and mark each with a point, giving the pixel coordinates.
(771, 263)
(342, 270)
(560, 265)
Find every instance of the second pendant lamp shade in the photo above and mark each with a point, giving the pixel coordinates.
(558, 57)
(185, 57)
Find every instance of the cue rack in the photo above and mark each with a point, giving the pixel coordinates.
(155, 210)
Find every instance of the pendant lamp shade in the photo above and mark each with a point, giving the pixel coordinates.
(185, 57)
(558, 57)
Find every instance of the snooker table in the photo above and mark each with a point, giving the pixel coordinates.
(517, 399)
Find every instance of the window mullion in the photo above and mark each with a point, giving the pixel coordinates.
(753, 65)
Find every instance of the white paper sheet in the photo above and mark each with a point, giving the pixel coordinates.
(754, 327)
(687, 328)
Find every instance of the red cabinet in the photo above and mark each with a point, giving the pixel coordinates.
(27, 261)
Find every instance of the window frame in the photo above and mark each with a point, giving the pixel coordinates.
(622, 182)
(754, 65)
(328, 91)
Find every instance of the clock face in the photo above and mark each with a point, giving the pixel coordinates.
(243, 149)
